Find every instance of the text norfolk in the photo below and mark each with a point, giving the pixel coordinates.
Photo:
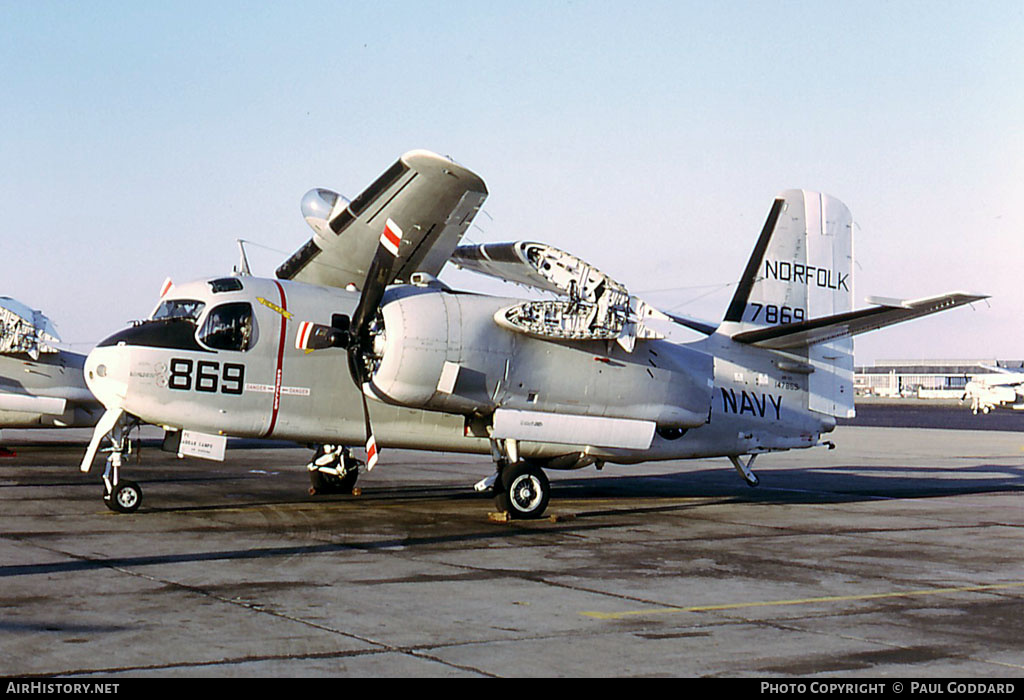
(806, 274)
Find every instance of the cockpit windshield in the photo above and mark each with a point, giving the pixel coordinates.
(188, 309)
(229, 327)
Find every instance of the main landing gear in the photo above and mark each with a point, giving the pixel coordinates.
(521, 488)
(332, 470)
(524, 492)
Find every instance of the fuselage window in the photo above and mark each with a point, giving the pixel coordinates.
(178, 308)
(226, 284)
(229, 327)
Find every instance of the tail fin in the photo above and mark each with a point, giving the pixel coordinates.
(802, 269)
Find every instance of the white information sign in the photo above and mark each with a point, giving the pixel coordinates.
(202, 445)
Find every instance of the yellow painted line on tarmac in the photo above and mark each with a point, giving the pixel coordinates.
(801, 601)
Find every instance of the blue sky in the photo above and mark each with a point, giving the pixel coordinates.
(138, 141)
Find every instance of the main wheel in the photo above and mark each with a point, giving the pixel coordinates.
(125, 498)
(524, 491)
(321, 483)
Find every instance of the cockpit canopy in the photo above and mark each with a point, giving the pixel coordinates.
(174, 324)
(229, 327)
(178, 308)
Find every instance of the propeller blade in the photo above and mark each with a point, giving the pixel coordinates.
(372, 453)
(378, 277)
(302, 336)
(391, 237)
(381, 273)
(105, 424)
(314, 336)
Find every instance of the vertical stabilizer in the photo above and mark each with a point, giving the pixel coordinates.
(802, 269)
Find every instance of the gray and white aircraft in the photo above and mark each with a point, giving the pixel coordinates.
(357, 340)
(1001, 389)
(41, 385)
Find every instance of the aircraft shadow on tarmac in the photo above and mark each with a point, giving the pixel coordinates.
(834, 484)
(814, 485)
(810, 485)
(824, 484)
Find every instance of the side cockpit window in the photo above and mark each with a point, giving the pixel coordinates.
(188, 309)
(229, 327)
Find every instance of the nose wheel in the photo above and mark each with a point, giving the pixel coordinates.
(126, 497)
(120, 495)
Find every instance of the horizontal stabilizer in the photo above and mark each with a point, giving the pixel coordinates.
(694, 324)
(820, 330)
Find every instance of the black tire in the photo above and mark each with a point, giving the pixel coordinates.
(325, 483)
(524, 491)
(321, 483)
(125, 498)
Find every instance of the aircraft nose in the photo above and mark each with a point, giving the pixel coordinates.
(106, 374)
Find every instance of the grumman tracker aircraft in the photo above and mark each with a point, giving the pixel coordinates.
(1001, 389)
(357, 340)
(41, 385)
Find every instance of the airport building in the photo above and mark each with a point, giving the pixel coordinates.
(925, 379)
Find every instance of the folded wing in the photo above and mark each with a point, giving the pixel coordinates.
(430, 198)
(593, 306)
(25, 331)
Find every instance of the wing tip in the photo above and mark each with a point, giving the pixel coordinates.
(958, 297)
(422, 159)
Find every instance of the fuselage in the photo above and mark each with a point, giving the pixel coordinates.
(46, 392)
(220, 357)
(998, 392)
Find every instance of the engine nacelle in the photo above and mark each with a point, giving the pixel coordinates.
(444, 352)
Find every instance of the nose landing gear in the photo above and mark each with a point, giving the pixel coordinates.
(126, 497)
(120, 495)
